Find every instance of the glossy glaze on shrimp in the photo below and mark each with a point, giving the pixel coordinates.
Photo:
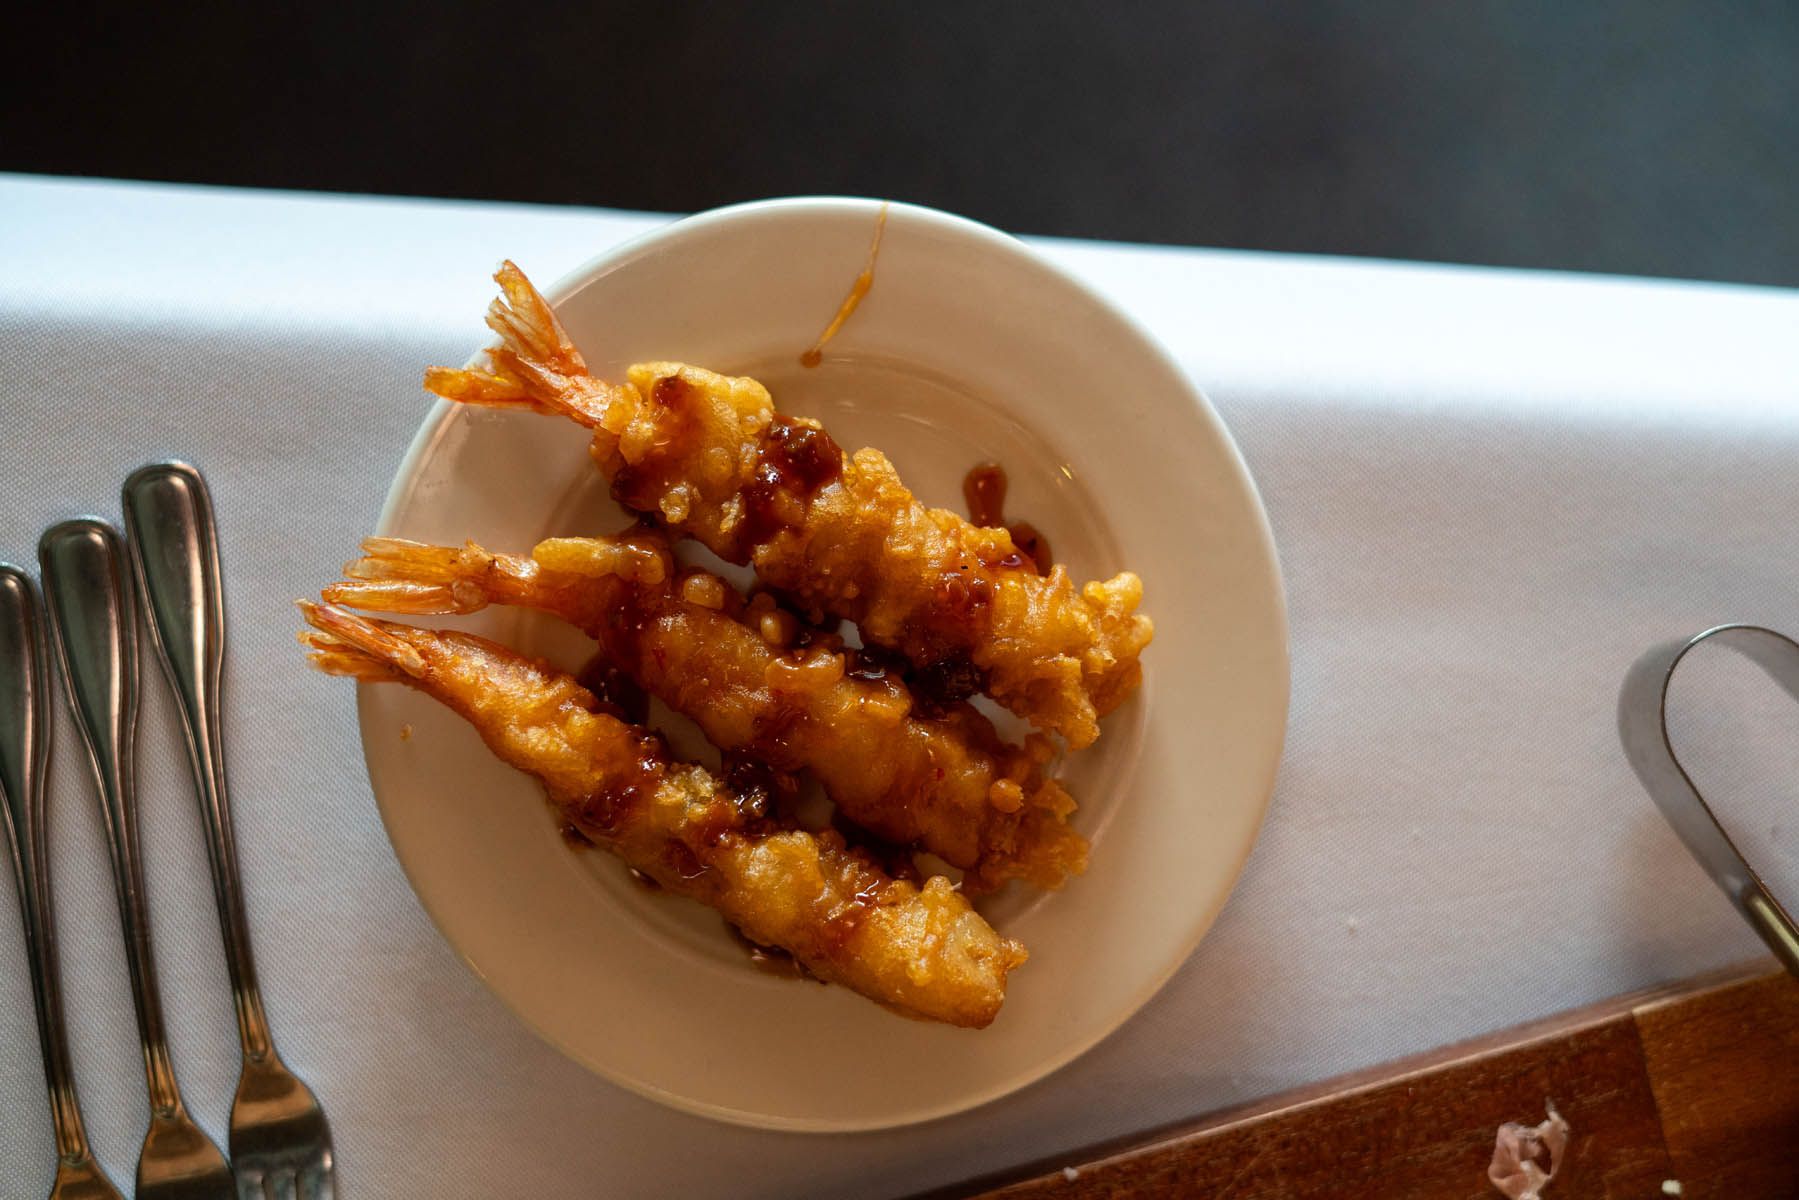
(944, 781)
(838, 533)
(919, 949)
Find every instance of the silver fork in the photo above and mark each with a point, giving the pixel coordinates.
(24, 753)
(279, 1137)
(88, 594)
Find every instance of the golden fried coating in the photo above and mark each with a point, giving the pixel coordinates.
(840, 534)
(946, 782)
(920, 950)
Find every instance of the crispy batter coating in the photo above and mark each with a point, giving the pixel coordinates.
(920, 950)
(946, 782)
(840, 534)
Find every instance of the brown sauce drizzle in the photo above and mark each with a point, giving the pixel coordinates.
(771, 740)
(669, 392)
(639, 485)
(745, 803)
(761, 791)
(802, 455)
(958, 596)
(959, 601)
(1032, 544)
(984, 491)
(572, 835)
(872, 664)
(617, 692)
(794, 462)
(818, 637)
(934, 688)
(946, 682)
(621, 639)
(683, 861)
(866, 280)
(611, 806)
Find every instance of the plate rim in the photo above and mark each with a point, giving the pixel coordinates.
(586, 271)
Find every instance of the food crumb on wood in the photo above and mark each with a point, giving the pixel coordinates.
(1071, 1173)
(1526, 1157)
(405, 733)
(1671, 1187)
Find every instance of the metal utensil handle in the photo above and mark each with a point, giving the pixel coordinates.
(1643, 728)
(175, 553)
(88, 595)
(24, 754)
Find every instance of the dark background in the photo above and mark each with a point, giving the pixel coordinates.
(1646, 138)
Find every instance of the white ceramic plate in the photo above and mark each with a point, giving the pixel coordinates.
(969, 347)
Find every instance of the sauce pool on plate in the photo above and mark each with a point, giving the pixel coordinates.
(984, 491)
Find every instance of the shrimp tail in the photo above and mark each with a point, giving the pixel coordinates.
(341, 643)
(534, 367)
(335, 658)
(395, 575)
(399, 576)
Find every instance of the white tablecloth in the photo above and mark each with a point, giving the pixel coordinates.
(1490, 490)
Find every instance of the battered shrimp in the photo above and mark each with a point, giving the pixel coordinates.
(946, 782)
(920, 950)
(709, 456)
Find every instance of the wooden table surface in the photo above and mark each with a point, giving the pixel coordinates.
(1689, 1090)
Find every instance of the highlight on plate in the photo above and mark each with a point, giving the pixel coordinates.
(917, 776)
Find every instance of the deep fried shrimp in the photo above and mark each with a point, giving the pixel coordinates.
(840, 534)
(921, 950)
(946, 782)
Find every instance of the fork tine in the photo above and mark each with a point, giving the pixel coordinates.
(249, 1182)
(280, 1184)
(316, 1183)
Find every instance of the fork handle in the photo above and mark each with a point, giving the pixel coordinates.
(24, 753)
(88, 595)
(175, 554)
